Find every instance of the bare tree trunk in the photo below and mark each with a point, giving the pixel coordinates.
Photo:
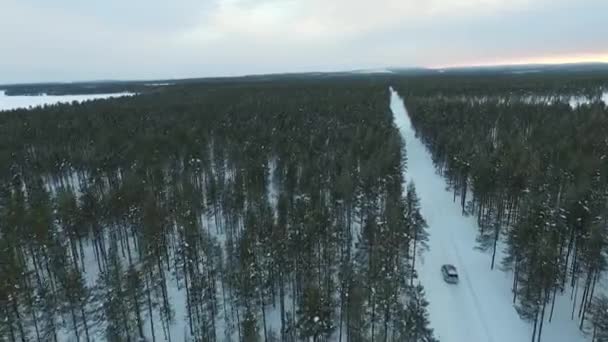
(414, 257)
(553, 302)
(74, 324)
(575, 290)
(535, 325)
(587, 301)
(373, 316)
(542, 316)
(496, 234)
(150, 311)
(341, 312)
(282, 304)
(515, 280)
(19, 323)
(585, 294)
(263, 317)
(464, 194)
(84, 322)
(386, 319)
(188, 299)
(592, 290)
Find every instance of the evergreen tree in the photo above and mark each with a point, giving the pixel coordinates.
(417, 226)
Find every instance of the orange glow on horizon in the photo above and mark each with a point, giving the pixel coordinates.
(560, 59)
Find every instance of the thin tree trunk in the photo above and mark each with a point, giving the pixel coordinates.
(19, 323)
(373, 315)
(542, 315)
(464, 195)
(553, 302)
(592, 290)
(74, 324)
(188, 299)
(11, 332)
(238, 322)
(575, 288)
(585, 294)
(496, 234)
(515, 280)
(386, 319)
(341, 312)
(84, 322)
(282, 304)
(414, 257)
(535, 325)
(574, 265)
(34, 318)
(263, 316)
(150, 311)
(588, 300)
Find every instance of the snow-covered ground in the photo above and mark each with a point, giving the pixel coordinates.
(158, 84)
(480, 307)
(373, 71)
(577, 101)
(14, 102)
(574, 101)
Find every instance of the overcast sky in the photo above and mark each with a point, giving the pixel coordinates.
(63, 40)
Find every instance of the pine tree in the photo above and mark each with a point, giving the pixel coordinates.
(417, 226)
(113, 310)
(76, 295)
(135, 297)
(416, 327)
(598, 319)
(315, 315)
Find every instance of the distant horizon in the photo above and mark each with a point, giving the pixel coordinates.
(155, 39)
(372, 70)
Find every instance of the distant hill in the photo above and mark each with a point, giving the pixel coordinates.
(139, 86)
(528, 68)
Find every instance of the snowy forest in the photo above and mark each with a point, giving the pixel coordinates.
(270, 211)
(527, 157)
(278, 209)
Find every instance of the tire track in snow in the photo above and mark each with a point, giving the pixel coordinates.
(479, 310)
(456, 313)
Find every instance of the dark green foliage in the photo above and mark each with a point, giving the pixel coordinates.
(533, 171)
(598, 319)
(315, 315)
(207, 212)
(414, 320)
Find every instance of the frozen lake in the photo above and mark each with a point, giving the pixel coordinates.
(14, 102)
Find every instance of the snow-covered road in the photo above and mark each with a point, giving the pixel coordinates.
(479, 308)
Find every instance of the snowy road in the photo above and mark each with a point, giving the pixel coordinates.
(479, 308)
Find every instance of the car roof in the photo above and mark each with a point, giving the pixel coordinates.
(451, 269)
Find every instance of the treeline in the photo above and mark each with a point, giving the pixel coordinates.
(513, 86)
(84, 88)
(535, 175)
(265, 212)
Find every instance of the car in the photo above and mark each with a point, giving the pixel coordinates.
(450, 275)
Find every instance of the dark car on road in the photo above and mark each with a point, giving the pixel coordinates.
(450, 275)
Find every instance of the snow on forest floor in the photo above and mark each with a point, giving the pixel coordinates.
(15, 102)
(479, 308)
(575, 101)
(226, 320)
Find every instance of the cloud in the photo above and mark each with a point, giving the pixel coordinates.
(336, 19)
(75, 40)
